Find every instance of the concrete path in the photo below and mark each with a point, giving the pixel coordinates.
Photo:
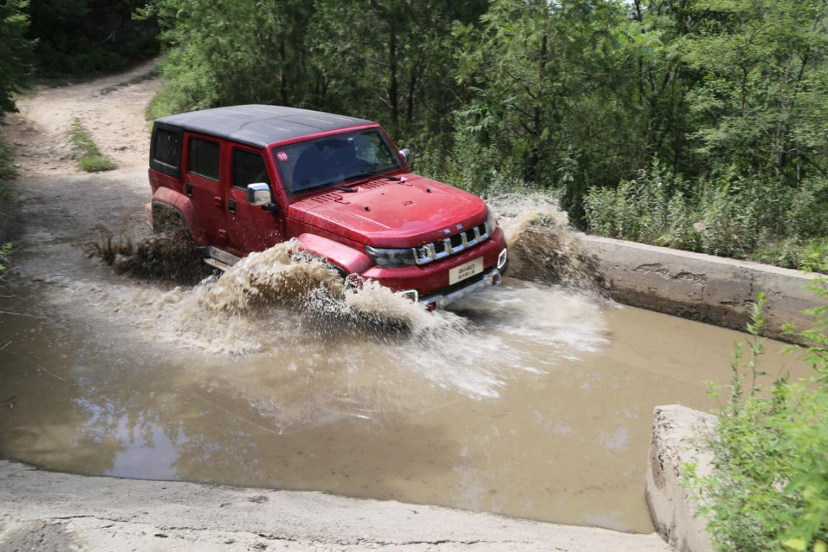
(55, 512)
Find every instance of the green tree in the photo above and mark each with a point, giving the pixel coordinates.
(226, 52)
(768, 487)
(762, 101)
(555, 87)
(84, 37)
(391, 60)
(15, 50)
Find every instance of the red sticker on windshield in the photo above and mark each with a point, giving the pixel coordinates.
(281, 156)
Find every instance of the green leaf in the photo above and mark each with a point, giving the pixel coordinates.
(799, 545)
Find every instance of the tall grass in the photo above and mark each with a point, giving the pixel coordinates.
(757, 219)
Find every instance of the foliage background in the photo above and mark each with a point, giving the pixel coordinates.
(79, 38)
(699, 124)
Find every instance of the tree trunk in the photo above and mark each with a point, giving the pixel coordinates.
(283, 92)
(537, 112)
(393, 92)
(412, 86)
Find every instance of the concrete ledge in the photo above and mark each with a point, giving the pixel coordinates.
(49, 511)
(702, 287)
(674, 429)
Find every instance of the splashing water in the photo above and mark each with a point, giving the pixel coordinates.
(542, 245)
(281, 331)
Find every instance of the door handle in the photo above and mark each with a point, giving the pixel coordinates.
(231, 204)
(217, 201)
(188, 188)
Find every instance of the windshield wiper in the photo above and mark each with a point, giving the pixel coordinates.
(373, 173)
(342, 188)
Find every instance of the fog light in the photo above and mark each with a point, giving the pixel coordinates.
(431, 306)
(411, 294)
(496, 280)
(502, 258)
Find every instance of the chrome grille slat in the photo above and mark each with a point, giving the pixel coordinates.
(436, 251)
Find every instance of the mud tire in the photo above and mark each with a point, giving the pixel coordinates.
(169, 254)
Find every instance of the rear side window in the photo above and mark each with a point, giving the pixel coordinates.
(167, 147)
(204, 158)
(248, 168)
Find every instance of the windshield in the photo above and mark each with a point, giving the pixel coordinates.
(334, 160)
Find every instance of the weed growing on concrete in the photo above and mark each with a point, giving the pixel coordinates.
(768, 489)
(90, 157)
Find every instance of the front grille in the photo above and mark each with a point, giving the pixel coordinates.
(451, 245)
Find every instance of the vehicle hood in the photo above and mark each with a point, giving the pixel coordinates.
(386, 213)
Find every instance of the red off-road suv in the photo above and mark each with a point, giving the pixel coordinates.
(245, 178)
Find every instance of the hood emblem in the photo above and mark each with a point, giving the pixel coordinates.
(447, 231)
(459, 226)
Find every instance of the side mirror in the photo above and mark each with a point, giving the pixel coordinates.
(258, 194)
(405, 154)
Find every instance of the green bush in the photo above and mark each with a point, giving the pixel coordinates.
(758, 219)
(7, 170)
(768, 489)
(652, 209)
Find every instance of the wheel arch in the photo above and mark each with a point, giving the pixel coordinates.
(343, 257)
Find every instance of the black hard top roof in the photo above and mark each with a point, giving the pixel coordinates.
(259, 125)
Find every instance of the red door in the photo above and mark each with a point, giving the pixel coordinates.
(202, 169)
(251, 228)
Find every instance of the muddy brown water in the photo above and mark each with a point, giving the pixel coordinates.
(529, 400)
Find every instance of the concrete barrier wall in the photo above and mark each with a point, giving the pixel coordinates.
(675, 429)
(702, 287)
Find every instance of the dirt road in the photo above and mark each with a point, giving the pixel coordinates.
(113, 114)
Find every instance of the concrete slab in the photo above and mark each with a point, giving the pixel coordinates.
(676, 429)
(59, 512)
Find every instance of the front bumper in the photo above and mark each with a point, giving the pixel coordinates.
(431, 278)
(447, 296)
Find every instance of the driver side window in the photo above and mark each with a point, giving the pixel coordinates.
(248, 168)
